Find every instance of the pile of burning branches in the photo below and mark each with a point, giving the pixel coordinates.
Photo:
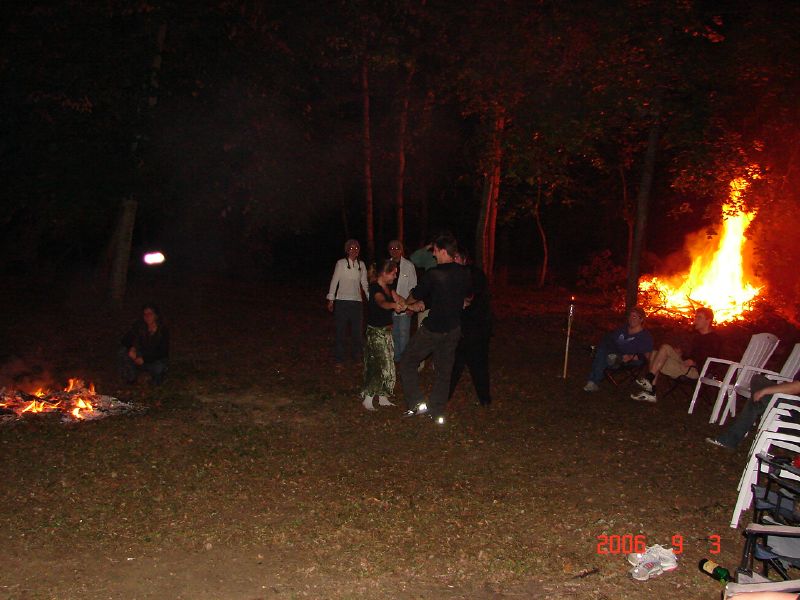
(75, 403)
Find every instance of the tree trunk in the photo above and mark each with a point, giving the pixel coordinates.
(642, 207)
(367, 163)
(627, 216)
(123, 236)
(487, 222)
(401, 155)
(545, 249)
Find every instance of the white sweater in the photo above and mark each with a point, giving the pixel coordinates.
(347, 276)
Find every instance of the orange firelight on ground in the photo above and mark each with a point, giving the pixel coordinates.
(716, 278)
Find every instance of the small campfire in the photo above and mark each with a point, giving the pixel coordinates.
(717, 277)
(76, 402)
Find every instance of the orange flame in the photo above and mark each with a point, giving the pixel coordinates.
(716, 278)
(81, 405)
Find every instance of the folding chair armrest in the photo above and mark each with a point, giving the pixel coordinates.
(776, 530)
(774, 586)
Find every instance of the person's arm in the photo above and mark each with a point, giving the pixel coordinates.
(162, 349)
(412, 275)
(382, 301)
(792, 388)
(337, 274)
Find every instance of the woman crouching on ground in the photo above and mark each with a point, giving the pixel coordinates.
(379, 372)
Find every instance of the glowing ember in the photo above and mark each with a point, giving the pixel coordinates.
(75, 403)
(716, 278)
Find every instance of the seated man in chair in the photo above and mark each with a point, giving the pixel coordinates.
(675, 362)
(629, 345)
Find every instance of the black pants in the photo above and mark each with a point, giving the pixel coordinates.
(473, 352)
(348, 315)
(423, 344)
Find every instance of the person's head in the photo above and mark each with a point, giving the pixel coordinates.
(388, 272)
(703, 319)
(351, 249)
(445, 248)
(462, 256)
(636, 317)
(150, 314)
(396, 250)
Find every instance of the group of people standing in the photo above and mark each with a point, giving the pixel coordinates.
(451, 299)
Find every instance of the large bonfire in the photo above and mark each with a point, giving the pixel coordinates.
(717, 277)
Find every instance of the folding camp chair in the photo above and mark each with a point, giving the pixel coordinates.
(758, 351)
(776, 547)
(762, 461)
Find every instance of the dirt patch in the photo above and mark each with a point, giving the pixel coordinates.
(255, 473)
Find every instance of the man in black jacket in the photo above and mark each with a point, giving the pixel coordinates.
(476, 330)
(443, 289)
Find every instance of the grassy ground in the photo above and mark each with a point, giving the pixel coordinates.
(255, 473)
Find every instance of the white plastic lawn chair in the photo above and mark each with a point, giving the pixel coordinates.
(750, 475)
(742, 385)
(779, 404)
(758, 351)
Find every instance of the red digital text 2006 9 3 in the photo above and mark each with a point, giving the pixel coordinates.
(629, 543)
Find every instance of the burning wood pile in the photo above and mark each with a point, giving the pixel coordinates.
(75, 403)
(718, 277)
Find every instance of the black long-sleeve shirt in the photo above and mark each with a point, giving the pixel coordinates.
(150, 346)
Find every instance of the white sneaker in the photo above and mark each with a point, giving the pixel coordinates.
(644, 383)
(644, 397)
(384, 401)
(591, 386)
(367, 403)
(665, 557)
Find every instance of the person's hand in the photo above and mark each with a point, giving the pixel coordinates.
(759, 395)
(330, 305)
(628, 357)
(689, 363)
(132, 354)
(139, 360)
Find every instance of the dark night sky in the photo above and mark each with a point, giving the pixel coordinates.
(251, 160)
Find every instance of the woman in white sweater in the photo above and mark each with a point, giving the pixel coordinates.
(344, 301)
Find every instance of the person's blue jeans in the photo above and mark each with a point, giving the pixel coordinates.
(600, 361)
(401, 331)
(129, 370)
(751, 412)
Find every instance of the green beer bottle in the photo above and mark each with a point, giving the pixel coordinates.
(712, 569)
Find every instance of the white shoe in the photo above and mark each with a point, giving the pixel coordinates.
(367, 403)
(665, 556)
(384, 401)
(644, 383)
(644, 397)
(591, 386)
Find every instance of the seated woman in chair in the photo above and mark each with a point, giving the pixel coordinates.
(629, 345)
